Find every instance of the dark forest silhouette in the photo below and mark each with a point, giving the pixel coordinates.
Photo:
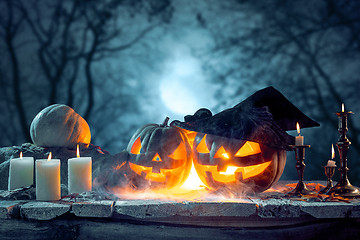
(66, 40)
(308, 51)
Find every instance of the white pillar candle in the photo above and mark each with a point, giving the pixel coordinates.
(21, 172)
(48, 179)
(299, 140)
(79, 174)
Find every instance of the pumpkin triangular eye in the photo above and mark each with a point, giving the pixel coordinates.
(202, 148)
(221, 153)
(249, 148)
(179, 153)
(157, 158)
(136, 147)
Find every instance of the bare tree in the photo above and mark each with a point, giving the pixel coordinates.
(11, 24)
(308, 51)
(61, 45)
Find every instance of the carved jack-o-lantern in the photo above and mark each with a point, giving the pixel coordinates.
(243, 148)
(231, 163)
(160, 156)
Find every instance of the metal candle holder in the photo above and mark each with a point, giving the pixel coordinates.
(329, 172)
(344, 188)
(300, 188)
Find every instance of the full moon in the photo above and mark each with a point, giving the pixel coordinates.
(178, 97)
(184, 89)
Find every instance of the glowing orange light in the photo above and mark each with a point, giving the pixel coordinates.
(193, 182)
(118, 167)
(202, 148)
(332, 151)
(229, 175)
(249, 148)
(49, 157)
(157, 158)
(298, 128)
(139, 169)
(179, 153)
(157, 177)
(77, 151)
(221, 153)
(21, 155)
(136, 147)
(342, 108)
(190, 136)
(229, 170)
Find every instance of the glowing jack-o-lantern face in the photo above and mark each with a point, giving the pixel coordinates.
(236, 164)
(160, 156)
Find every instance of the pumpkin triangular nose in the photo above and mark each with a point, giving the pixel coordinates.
(156, 158)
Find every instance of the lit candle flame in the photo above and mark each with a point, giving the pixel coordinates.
(77, 151)
(332, 151)
(21, 155)
(342, 108)
(225, 155)
(49, 157)
(298, 128)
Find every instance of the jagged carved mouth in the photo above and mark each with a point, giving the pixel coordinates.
(153, 176)
(233, 173)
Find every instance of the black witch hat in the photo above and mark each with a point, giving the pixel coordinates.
(264, 117)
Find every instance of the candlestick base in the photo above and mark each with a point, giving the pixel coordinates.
(300, 190)
(329, 172)
(345, 189)
(325, 190)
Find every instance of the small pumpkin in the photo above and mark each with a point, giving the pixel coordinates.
(59, 125)
(238, 165)
(160, 156)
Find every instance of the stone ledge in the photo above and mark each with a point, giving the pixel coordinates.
(155, 209)
(160, 209)
(277, 208)
(100, 209)
(330, 209)
(9, 209)
(43, 210)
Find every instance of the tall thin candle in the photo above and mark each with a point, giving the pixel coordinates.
(343, 118)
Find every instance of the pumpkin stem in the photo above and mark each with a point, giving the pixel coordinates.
(165, 123)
